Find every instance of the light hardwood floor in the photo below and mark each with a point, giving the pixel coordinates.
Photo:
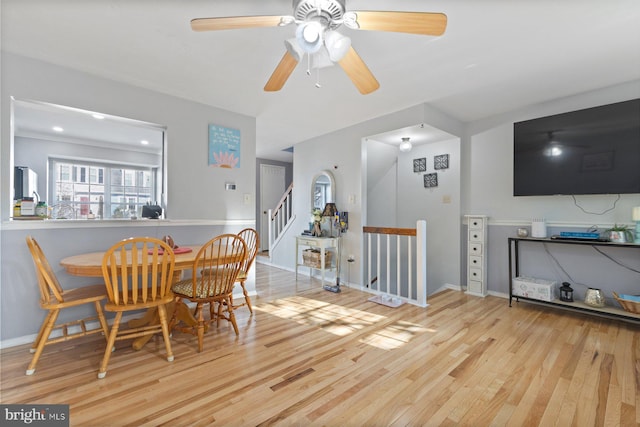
(311, 357)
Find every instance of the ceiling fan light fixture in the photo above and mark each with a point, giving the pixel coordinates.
(309, 36)
(337, 45)
(311, 32)
(294, 48)
(315, 20)
(405, 145)
(321, 59)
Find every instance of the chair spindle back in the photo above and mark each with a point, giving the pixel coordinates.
(219, 261)
(47, 281)
(137, 270)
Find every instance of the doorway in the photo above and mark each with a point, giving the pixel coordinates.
(272, 188)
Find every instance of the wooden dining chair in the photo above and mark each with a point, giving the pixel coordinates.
(54, 299)
(252, 240)
(214, 273)
(138, 273)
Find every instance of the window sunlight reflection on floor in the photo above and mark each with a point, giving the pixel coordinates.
(341, 321)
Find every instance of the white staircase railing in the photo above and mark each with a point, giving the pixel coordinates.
(280, 217)
(395, 262)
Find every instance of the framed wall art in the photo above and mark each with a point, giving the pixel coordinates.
(224, 147)
(420, 165)
(430, 180)
(441, 162)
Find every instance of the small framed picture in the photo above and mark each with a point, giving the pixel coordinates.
(430, 180)
(420, 165)
(441, 162)
(224, 147)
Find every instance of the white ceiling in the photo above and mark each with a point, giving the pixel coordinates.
(495, 56)
(38, 120)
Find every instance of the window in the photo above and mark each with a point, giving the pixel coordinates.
(75, 168)
(104, 190)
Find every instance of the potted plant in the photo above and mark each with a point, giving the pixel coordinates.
(619, 234)
(316, 218)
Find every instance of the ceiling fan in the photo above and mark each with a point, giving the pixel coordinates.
(316, 23)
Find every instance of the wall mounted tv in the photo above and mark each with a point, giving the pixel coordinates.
(591, 151)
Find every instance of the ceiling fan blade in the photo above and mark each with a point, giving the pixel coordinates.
(424, 23)
(235, 22)
(358, 72)
(281, 73)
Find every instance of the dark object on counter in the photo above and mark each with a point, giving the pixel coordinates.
(151, 211)
(566, 292)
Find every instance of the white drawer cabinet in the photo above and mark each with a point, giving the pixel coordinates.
(477, 255)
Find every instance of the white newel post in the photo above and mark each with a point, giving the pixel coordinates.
(421, 263)
(270, 227)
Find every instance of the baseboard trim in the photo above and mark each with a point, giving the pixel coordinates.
(29, 339)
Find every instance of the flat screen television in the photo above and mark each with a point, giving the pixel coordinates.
(591, 151)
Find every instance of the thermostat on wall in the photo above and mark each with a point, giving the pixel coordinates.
(229, 186)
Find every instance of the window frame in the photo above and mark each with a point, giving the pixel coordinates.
(74, 208)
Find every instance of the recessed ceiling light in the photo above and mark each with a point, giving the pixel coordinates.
(58, 129)
(97, 116)
(144, 142)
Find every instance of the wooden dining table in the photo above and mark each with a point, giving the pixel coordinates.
(90, 265)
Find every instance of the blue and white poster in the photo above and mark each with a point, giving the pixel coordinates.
(224, 147)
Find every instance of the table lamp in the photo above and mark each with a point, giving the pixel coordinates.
(331, 211)
(635, 216)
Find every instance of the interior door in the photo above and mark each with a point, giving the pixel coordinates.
(272, 188)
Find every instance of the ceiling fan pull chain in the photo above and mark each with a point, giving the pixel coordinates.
(318, 85)
(308, 64)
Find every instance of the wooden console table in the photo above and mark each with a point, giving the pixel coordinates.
(514, 271)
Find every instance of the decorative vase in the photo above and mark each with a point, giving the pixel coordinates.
(617, 236)
(317, 231)
(594, 297)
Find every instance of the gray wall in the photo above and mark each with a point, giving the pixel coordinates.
(583, 266)
(489, 177)
(439, 206)
(288, 179)
(396, 197)
(195, 190)
(487, 182)
(34, 153)
(485, 174)
(20, 314)
(342, 153)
